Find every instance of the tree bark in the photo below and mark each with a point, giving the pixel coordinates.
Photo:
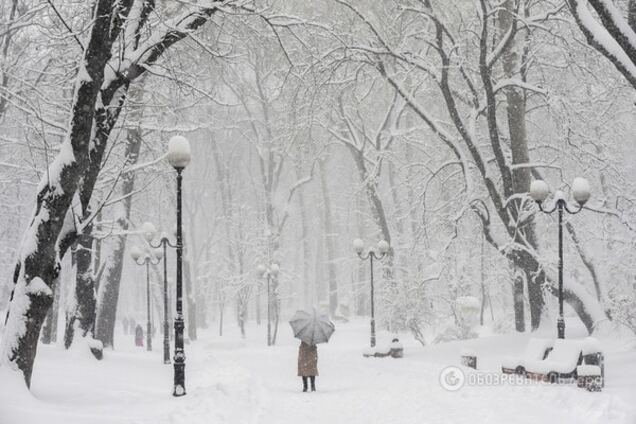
(85, 299)
(329, 242)
(49, 331)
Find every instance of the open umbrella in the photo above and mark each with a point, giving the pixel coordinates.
(312, 328)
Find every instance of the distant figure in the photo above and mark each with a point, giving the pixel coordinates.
(308, 364)
(125, 323)
(139, 336)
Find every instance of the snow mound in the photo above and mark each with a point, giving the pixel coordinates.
(588, 370)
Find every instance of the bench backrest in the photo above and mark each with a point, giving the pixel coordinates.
(537, 348)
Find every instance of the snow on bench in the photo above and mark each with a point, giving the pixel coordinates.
(590, 377)
(536, 350)
(588, 370)
(562, 360)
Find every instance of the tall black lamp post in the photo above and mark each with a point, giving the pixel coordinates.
(146, 259)
(268, 272)
(382, 250)
(179, 157)
(149, 232)
(539, 192)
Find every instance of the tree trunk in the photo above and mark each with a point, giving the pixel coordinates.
(307, 293)
(39, 264)
(362, 292)
(108, 295)
(518, 299)
(329, 242)
(190, 287)
(83, 317)
(49, 331)
(516, 114)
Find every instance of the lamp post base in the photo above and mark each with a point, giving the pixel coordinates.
(148, 337)
(372, 332)
(179, 379)
(560, 328)
(179, 357)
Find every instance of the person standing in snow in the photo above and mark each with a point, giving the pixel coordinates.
(139, 336)
(308, 364)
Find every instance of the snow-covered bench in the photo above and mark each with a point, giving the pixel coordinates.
(589, 377)
(593, 368)
(560, 363)
(536, 350)
(469, 358)
(394, 350)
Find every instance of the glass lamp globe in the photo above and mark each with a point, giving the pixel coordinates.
(148, 230)
(135, 253)
(581, 190)
(539, 190)
(383, 246)
(179, 154)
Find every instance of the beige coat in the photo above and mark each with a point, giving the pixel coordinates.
(307, 360)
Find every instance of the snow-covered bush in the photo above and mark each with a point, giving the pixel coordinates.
(622, 307)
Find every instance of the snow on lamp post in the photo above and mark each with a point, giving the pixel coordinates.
(149, 232)
(267, 272)
(539, 191)
(179, 157)
(146, 259)
(382, 250)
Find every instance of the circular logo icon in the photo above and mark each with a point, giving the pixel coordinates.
(452, 378)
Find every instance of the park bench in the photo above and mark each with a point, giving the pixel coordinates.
(469, 358)
(560, 363)
(394, 350)
(592, 371)
(589, 377)
(536, 350)
(565, 359)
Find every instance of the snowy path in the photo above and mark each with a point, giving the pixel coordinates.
(353, 389)
(234, 381)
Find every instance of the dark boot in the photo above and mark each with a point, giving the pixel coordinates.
(304, 384)
(313, 383)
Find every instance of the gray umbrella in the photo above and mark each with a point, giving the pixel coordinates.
(311, 327)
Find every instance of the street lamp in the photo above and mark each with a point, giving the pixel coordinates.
(149, 232)
(146, 259)
(268, 272)
(179, 157)
(539, 192)
(382, 250)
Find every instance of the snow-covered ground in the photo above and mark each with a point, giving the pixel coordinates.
(230, 380)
